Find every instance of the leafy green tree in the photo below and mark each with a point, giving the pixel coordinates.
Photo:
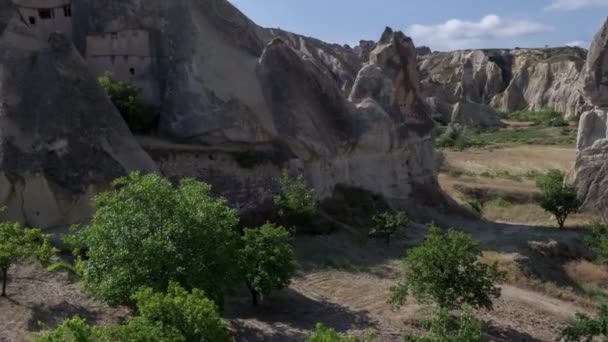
(17, 243)
(445, 270)
(147, 232)
(386, 224)
(557, 197)
(297, 202)
(267, 260)
(175, 316)
(444, 327)
(182, 316)
(585, 328)
(325, 334)
(139, 117)
(597, 240)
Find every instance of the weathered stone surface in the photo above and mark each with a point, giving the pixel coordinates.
(510, 80)
(595, 78)
(60, 136)
(475, 115)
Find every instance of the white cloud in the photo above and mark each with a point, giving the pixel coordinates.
(461, 34)
(571, 5)
(579, 43)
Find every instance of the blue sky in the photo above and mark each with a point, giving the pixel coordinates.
(441, 24)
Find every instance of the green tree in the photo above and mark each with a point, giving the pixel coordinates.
(139, 117)
(147, 232)
(585, 328)
(597, 240)
(557, 197)
(325, 334)
(386, 224)
(175, 316)
(445, 270)
(445, 327)
(267, 260)
(297, 202)
(17, 243)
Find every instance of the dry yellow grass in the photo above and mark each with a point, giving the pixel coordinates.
(585, 272)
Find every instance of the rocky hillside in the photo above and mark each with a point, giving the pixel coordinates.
(242, 102)
(507, 80)
(591, 168)
(60, 136)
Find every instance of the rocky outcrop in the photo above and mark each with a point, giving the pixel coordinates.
(591, 167)
(380, 140)
(61, 139)
(507, 80)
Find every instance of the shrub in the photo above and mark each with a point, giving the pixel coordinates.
(139, 117)
(453, 138)
(445, 270)
(545, 117)
(267, 260)
(556, 197)
(585, 328)
(386, 224)
(444, 327)
(297, 202)
(175, 316)
(17, 243)
(147, 233)
(325, 334)
(597, 240)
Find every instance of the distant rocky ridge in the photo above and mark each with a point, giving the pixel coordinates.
(506, 80)
(230, 91)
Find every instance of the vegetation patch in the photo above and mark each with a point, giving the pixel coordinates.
(545, 117)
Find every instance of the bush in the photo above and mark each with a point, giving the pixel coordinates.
(325, 334)
(17, 243)
(445, 270)
(597, 240)
(140, 117)
(444, 327)
(267, 260)
(556, 197)
(149, 233)
(174, 316)
(453, 138)
(544, 117)
(297, 202)
(386, 224)
(585, 328)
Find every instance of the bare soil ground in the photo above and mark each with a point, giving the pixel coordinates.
(37, 299)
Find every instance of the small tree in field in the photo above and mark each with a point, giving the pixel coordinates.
(585, 328)
(386, 224)
(558, 198)
(297, 202)
(445, 270)
(148, 232)
(17, 243)
(267, 260)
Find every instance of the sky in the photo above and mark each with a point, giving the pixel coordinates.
(441, 24)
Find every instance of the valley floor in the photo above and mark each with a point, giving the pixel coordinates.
(345, 278)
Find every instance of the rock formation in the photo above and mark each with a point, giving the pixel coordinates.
(238, 104)
(591, 168)
(61, 139)
(506, 80)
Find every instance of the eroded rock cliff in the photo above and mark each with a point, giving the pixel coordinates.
(591, 168)
(506, 80)
(61, 139)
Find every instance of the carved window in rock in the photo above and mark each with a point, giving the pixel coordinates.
(46, 13)
(67, 10)
(32, 21)
(132, 71)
